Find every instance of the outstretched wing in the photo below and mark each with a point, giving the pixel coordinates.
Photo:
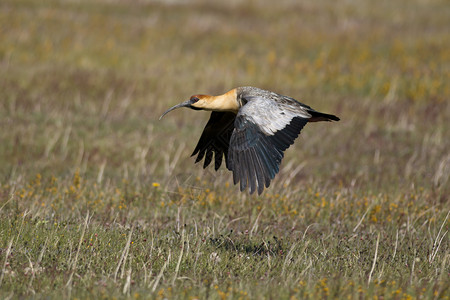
(264, 129)
(215, 139)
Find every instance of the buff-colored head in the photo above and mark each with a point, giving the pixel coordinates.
(225, 102)
(200, 101)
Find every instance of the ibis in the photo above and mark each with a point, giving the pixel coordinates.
(251, 128)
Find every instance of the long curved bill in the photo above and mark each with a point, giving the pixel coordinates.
(184, 104)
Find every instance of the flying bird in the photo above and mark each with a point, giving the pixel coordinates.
(252, 128)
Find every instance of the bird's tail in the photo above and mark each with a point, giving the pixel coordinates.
(318, 116)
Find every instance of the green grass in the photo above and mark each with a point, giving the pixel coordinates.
(99, 199)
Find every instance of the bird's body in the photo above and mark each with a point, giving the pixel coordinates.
(251, 128)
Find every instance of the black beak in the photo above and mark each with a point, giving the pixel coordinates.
(184, 104)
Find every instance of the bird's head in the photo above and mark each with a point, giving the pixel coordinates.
(196, 102)
(225, 102)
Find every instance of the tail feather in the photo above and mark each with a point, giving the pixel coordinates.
(318, 116)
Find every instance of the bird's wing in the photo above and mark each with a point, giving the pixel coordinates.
(264, 129)
(215, 139)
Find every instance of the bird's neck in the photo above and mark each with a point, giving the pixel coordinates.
(225, 102)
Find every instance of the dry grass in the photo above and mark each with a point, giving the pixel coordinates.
(100, 199)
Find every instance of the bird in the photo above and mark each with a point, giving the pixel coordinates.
(251, 128)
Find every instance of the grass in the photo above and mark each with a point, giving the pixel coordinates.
(99, 199)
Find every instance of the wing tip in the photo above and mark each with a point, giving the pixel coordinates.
(318, 116)
(334, 118)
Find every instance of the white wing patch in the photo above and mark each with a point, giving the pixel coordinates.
(269, 115)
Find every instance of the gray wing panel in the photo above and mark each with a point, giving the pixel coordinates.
(257, 145)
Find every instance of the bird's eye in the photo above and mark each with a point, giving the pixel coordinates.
(194, 99)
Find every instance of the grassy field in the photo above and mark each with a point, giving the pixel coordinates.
(99, 199)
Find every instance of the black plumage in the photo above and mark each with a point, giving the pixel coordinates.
(215, 139)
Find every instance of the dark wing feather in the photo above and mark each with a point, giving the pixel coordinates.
(255, 153)
(215, 139)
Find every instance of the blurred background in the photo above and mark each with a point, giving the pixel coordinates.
(82, 84)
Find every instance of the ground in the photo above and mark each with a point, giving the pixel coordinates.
(100, 199)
